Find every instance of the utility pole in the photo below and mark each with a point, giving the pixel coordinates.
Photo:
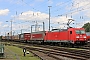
(43, 26)
(49, 17)
(32, 27)
(21, 31)
(11, 29)
(31, 31)
(36, 25)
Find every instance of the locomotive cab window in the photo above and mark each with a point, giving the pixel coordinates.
(80, 32)
(70, 32)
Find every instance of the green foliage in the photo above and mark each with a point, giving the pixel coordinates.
(87, 27)
(0, 38)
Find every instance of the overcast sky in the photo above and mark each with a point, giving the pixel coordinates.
(25, 13)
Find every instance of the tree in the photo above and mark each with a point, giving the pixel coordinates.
(87, 27)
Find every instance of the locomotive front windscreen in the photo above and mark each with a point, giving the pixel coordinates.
(80, 32)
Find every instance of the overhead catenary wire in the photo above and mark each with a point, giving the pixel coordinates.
(81, 8)
(33, 8)
(63, 4)
(72, 9)
(67, 13)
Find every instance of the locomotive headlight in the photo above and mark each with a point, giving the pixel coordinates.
(84, 37)
(77, 36)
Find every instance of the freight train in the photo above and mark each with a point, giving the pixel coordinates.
(69, 36)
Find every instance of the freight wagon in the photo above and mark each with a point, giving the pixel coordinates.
(15, 37)
(24, 37)
(37, 37)
(8, 37)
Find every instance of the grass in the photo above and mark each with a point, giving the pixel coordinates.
(19, 52)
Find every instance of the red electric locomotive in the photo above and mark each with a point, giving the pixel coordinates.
(70, 35)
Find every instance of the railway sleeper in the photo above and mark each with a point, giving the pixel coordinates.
(55, 56)
(61, 54)
(74, 53)
(70, 56)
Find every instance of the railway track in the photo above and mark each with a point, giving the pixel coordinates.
(76, 51)
(56, 52)
(86, 46)
(81, 55)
